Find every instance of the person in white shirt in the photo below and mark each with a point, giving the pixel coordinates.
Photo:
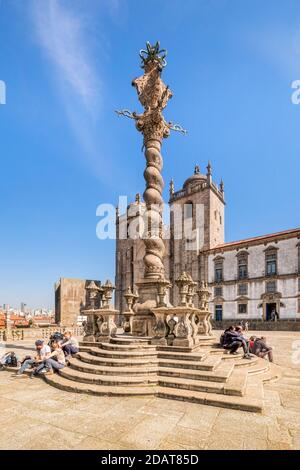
(54, 362)
(43, 351)
(70, 344)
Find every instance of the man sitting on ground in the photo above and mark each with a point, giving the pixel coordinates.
(261, 349)
(43, 352)
(70, 344)
(55, 361)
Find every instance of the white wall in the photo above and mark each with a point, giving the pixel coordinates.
(287, 256)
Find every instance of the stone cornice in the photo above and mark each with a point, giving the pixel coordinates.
(255, 279)
(262, 240)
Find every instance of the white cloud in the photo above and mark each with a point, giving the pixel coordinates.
(279, 45)
(62, 34)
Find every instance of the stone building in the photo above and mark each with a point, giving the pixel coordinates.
(70, 299)
(256, 278)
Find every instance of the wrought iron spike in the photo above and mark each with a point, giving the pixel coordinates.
(126, 113)
(178, 128)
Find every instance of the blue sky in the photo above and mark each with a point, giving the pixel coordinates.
(68, 64)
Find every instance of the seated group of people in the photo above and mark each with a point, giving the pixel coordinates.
(233, 338)
(50, 357)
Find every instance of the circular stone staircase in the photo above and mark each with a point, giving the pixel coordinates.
(131, 366)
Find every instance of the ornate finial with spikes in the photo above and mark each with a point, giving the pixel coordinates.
(222, 185)
(197, 170)
(171, 187)
(153, 53)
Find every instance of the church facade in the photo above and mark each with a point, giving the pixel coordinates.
(256, 278)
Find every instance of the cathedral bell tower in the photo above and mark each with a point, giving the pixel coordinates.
(196, 224)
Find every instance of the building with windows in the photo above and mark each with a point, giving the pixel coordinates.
(256, 278)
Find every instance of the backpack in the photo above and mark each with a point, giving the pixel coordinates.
(11, 360)
(55, 337)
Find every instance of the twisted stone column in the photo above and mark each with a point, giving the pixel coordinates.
(153, 95)
(154, 245)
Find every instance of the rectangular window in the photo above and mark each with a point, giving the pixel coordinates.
(218, 312)
(242, 308)
(218, 273)
(271, 287)
(243, 271)
(271, 264)
(218, 291)
(242, 289)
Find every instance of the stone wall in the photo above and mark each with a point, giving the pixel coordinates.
(259, 325)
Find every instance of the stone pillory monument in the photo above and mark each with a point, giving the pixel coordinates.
(165, 350)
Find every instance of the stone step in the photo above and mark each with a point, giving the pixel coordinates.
(87, 344)
(92, 378)
(123, 354)
(236, 385)
(210, 363)
(129, 340)
(241, 362)
(116, 362)
(203, 343)
(244, 403)
(189, 356)
(78, 364)
(258, 368)
(127, 347)
(62, 383)
(221, 375)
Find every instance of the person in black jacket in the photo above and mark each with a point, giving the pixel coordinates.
(234, 340)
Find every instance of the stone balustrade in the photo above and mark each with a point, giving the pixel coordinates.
(100, 324)
(19, 334)
(180, 326)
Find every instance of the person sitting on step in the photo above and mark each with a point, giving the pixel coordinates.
(70, 344)
(251, 344)
(42, 352)
(261, 349)
(234, 340)
(223, 335)
(55, 361)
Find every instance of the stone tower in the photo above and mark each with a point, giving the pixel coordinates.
(198, 205)
(196, 224)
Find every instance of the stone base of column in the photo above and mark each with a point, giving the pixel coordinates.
(89, 338)
(179, 326)
(143, 319)
(100, 324)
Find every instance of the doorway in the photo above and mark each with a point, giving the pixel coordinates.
(269, 309)
(219, 312)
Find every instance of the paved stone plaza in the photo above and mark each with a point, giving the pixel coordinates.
(35, 415)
